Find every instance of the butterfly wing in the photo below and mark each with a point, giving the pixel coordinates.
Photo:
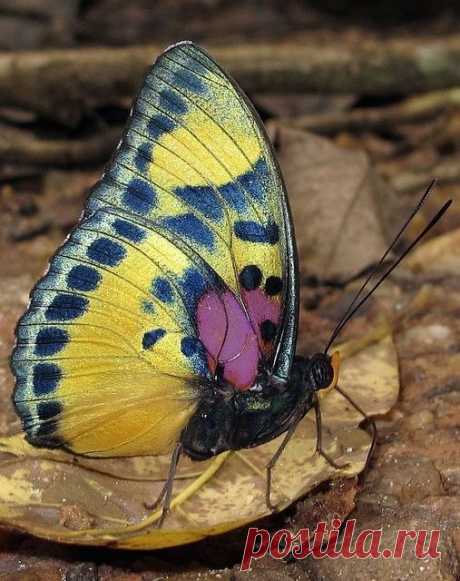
(197, 160)
(106, 355)
(182, 267)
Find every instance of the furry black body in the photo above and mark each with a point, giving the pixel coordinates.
(228, 419)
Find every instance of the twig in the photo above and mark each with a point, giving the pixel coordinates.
(445, 172)
(413, 109)
(20, 146)
(64, 84)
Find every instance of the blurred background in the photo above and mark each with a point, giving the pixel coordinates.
(377, 77)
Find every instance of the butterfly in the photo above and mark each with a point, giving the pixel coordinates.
(167, 321)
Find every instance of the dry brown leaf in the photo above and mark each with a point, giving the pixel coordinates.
(292, 105)
(441, 255)
(339, 205)
(101, 502)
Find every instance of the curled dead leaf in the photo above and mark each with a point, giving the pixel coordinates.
(343, 213)
(440, 255)
(55, 495)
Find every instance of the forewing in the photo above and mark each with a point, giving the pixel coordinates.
(196, 160)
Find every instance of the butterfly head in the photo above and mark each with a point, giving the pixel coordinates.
(322, 371)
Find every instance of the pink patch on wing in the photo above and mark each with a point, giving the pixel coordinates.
(262, 308)
(229, 338)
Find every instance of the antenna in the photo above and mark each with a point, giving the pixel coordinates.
(355, 304)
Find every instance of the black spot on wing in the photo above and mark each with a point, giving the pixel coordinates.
(268, 330)
(251, 231)
(162, 289)
(191, 229)
(140, 196)
(151, 337)
(48, 412)
(128, 230)
(66, 307)
(250, 277)
(45, 379)
(83, 277)
(273, 285)
(50, 340)
(106, 251)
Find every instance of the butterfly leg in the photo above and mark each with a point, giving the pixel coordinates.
(274, 460)
(166, 492)
(319, 437)
(370, 421)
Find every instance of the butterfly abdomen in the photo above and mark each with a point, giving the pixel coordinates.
(226, 419)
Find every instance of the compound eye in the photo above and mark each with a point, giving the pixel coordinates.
(322, 373)
(325, 372)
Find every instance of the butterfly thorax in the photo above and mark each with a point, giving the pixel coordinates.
(228, 419)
